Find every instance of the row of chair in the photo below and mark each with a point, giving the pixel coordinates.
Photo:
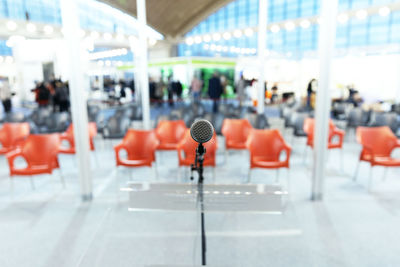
(39, 151)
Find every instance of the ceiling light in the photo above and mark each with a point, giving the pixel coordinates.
(253, 50)
(197, 39)
(9, 59)
(212, 47)
(82, 33)
(108, 63)
(343, 18)
(14, 39)
(206, 46)
(30, 27)
(48, 29)
(232, 49)
(11, 25)
(243, 50)
(100, 63)
(120, 37)
(218, 48)
(305, 24)
(237, 33)
(120, 63)
(227, 36)
(275, 28)
(289, 26)
(189, 41)
(107, 36)
(132, 39)
(225, 49)
(216, 36)
(384, 11)
(152, 41)
(362, 14)
(207, 38)
(248, 32)
(94, 34)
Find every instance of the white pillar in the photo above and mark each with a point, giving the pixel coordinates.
(327, 32)
(70, 21)
(143, 63)
(262, 45)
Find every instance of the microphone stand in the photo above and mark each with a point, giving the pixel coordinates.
(198, 166)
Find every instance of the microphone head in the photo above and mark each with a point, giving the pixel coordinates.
(202, 131)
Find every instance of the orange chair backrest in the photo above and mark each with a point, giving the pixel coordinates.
(41, 149)
(140, 144)
(92, 133)
(380, 140)
(170, 131)
(265, 143)
(309, 126)
(11, 133)
(188, 145)
(236, 130)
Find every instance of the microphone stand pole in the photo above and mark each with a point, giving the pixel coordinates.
(198, 166)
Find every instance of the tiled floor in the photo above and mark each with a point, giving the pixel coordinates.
(50, 226)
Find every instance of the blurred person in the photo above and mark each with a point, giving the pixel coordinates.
(196, 86)
(311, 88)
(159, 91)
(62, 95)
(170, 89)
(224, 83)
(42, 95)
(274, 96)
(5, 95)
(152, 90)
(241, 90)
(178, 89)
(215, 90)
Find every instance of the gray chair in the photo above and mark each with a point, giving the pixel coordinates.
(389, 119)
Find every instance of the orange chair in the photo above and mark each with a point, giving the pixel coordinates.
(265, 147)
(309, 125)
(12, 135)
(68, 136)
(377, 146)
(187, 151)
(40, 153)
(170, 133)
(235, 132)
(140, 147)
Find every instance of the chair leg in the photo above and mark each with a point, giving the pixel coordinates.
(226, 155)
(305, 154)
(288, 179)
(154, 167)
(341, 160)
(12, 184)
(32, 183)
(214, 173)
(130, 174)
(61, 177)
(356, 172)
(385, 173)
(370, 179)
(277, 176)
(249, 175)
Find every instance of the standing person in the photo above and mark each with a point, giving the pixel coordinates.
(5, 95)
(274, 96)
(42, 95)
(170, 88)
(178, 89)
(310, 90)
(196, 86)
(241, 90)
(62, 94)
(215, 90)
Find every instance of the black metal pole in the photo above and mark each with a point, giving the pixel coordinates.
(199, 168)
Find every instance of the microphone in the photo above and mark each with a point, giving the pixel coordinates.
(202, 131)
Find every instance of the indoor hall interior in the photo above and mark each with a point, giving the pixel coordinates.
(210, 133)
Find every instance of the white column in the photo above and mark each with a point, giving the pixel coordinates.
(327, 32)
(70, 21)
(262, 45)
(143, 63)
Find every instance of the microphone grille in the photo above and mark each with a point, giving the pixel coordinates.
(202, 131)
